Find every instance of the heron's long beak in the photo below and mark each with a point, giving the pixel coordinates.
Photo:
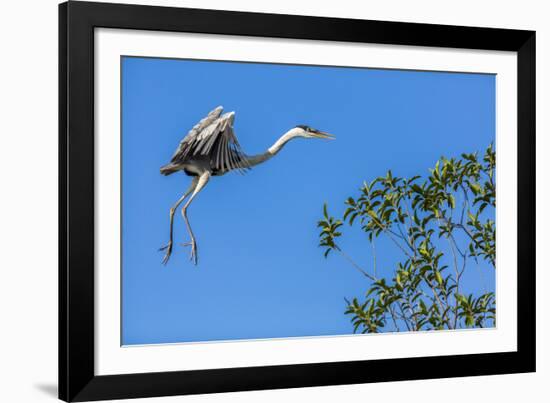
(325, 135)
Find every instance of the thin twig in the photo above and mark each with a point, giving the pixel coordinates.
(374, 258)
(355, 265)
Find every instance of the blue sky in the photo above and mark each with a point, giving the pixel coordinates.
(261, 273)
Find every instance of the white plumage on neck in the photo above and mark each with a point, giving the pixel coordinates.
(276, 147)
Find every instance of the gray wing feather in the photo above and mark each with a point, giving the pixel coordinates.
(210, 133)
(225, 151)
(214, 137)
(218, 152)
(187, 143)
(225, 163)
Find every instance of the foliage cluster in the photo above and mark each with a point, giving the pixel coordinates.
(439, 225)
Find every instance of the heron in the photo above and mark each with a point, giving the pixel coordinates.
(211, 149)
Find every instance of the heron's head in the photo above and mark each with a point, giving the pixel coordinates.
(311, 133)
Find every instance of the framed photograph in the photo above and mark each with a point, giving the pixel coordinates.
(256, 201)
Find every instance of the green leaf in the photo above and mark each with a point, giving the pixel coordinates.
(438, 277)
(423, 306)
(398, 280)
(452, 203)
(476, 189)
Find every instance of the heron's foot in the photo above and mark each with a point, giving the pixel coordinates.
(193, 256)
(168, 249)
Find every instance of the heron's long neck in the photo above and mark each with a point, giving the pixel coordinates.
(271, 151)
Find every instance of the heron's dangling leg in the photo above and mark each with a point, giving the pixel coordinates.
(168, 247)
(203, 180)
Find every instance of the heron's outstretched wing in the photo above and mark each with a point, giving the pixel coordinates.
(224, 150)
(213, 137)
(187, 144)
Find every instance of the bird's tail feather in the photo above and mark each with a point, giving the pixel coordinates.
(168, 169)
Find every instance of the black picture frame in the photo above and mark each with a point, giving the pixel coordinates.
(77, 21)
